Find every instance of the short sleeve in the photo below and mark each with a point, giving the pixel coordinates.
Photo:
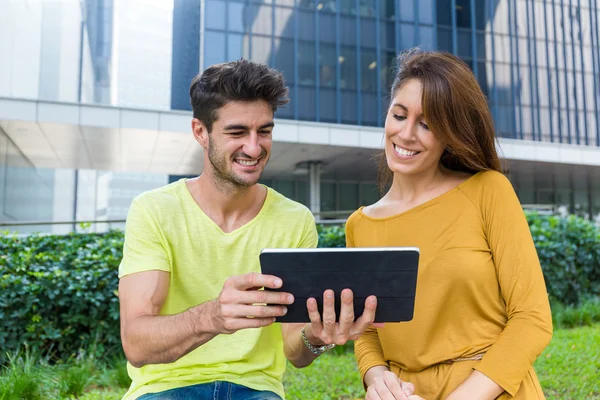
(144, 248)
(310, 237)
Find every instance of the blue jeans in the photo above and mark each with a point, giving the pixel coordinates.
(219, 390)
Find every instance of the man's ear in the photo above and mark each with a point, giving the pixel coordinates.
(200, 132)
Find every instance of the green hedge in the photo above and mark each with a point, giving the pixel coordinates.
(569, 251)
(59, 292)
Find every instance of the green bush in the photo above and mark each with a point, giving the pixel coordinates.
(59, 293)
(569, 251)
(331, 236)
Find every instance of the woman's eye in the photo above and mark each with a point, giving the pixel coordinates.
(399, 117)
(424, 125)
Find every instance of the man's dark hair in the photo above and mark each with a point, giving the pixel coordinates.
(240, 80)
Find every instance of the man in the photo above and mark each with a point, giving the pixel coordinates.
(192, 323)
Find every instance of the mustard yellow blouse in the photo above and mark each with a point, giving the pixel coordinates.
(480, 292)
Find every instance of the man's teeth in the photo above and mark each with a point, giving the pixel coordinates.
(404, 152)
(247, 163)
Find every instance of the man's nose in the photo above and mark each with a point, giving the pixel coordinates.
(251, 147)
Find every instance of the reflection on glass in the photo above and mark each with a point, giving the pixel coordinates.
(284, 22)
(406, 10)
(386, 72)
(348, 30)
(464, 43)
(235, 17)
(310, 4)
(463, 13)
(386, 9)
(328, 196)
(387, 35)
(306, 63)
(306, 24)
(366, 8)
(369, 109)
(260, 18)
(284, 58)
(215, 14)
(306, 103)
(261, 49)
(327, 105)
(328, 6)
(237, 47)
(368, 68)
(347, 62)
(407, 36)
(368, 32)
(327, 27)
(327, 65)
(348, 196)
(426, 38)
(214, 49)
(426, 14)
(348, 7)
(444, 12)
(349, 107)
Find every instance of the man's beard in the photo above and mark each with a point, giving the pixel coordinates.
(227, 180)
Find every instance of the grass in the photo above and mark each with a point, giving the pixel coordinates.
(568, 369)
(587, 313)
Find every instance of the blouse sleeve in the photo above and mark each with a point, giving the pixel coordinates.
(529, 325)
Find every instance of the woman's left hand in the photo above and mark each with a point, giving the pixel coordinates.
(326, 330)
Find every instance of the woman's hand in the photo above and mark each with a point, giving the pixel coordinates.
(388, 386)
(327, 330)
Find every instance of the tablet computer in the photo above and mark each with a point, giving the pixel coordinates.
(390, 273)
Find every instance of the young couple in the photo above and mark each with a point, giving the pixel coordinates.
(191, 323)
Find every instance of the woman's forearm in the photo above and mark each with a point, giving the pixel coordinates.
(476, 387)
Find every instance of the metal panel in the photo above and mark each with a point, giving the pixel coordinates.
(358, 69)
(454, 37)
(558, 97)
(532, 90)
(577, 128)
(512, 69)
(338, 65)
(378, 58)
(317, 70)
(474, 40)
(562, 12)
(545, 5)
(596, 63)
(585, 124)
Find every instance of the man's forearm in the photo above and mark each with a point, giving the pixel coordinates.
(295, 349)
(157, 339)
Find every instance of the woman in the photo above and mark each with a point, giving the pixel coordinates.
(482, 314)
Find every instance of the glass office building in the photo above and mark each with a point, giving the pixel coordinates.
(103, 85)
(537, 61)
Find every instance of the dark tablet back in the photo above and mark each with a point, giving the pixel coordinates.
(389, 273)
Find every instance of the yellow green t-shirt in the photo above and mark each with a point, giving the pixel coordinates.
(167, 231)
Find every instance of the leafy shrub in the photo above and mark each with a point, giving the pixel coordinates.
(569, 251)
(59, 293)
(331, 236)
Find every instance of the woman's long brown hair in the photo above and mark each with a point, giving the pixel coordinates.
(455, 108)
